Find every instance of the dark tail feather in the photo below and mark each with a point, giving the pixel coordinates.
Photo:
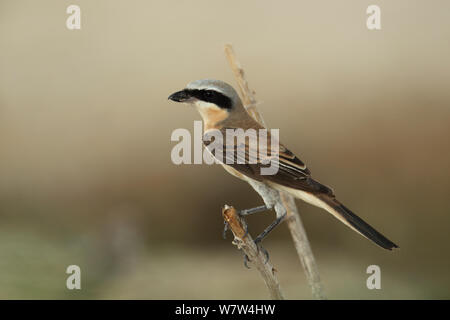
(353, 221)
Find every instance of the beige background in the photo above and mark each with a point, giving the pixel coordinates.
(85, 125)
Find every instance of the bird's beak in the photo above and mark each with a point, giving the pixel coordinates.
(180, 96)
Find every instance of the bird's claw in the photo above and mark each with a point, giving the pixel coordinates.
(260, 248)
(245, 230)
(242, 213)
(263, 250)
(246, 260)
(225, 229)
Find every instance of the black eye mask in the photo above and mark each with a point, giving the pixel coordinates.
(212, 96)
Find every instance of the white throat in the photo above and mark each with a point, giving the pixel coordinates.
(210, 113)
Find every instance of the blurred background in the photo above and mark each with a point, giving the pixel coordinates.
(85, 171)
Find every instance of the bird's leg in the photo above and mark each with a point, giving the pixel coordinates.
(247, 212)
(265, 233)
(269, 228)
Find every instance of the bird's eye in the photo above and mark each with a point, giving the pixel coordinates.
(208, 94)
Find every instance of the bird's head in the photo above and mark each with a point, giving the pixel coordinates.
(212, 98)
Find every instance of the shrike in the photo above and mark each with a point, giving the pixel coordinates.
(221, 108)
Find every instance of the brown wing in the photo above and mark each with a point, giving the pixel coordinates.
(292, 172)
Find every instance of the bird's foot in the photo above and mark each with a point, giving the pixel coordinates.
(225, 229)
(260, 249)
(241, 214)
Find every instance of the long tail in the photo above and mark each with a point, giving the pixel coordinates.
(344, 214)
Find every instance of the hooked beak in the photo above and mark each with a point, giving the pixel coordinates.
(180, 96)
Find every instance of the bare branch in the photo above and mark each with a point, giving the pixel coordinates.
(256, 257)
(281, 202)
(301, 243)
(247, 95)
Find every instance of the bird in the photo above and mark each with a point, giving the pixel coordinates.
(221, 109)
